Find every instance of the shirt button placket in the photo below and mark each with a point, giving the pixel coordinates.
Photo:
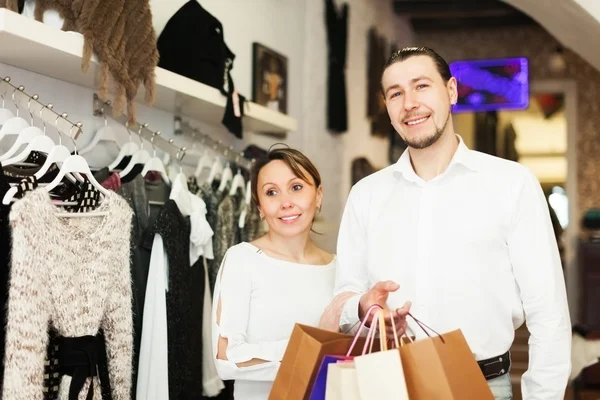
(424, 249)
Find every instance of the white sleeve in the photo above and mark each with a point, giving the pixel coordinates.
(351, 273)
(212, 385)
(233, 288)
(153, 378)
(538, 272)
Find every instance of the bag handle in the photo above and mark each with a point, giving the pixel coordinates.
(362, 325)
(422, 325)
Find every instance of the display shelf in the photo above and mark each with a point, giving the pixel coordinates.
(43, 49)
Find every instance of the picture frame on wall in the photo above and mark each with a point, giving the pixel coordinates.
(269, 78)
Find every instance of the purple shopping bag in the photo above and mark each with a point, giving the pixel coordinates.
(318, 390)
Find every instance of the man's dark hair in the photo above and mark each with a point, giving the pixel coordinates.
(408, 52)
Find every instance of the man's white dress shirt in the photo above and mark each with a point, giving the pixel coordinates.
(472, 249)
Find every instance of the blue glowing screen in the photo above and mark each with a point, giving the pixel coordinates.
(491, 84)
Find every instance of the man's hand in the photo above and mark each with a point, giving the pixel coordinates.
(379, 295)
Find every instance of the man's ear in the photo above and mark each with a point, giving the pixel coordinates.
(452, 87)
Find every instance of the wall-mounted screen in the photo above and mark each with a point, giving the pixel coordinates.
(491, 84)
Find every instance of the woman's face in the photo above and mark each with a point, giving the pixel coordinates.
(287, 202)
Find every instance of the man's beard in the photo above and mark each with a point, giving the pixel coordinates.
(427, 141)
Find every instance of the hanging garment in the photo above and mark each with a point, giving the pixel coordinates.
(337, 33)
(120, 34)
(134, 193)
(184, 301)
(72, 275)
(51, 364)
(192, 44)
(5, 244)
(212, 198)
(212, 385)
(153, 375)
(252, 228)
(226, 232)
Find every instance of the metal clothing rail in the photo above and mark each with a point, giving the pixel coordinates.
(39, 109)
(104, 108)
(217, 145)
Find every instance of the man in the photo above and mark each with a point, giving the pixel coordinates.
(463, 236)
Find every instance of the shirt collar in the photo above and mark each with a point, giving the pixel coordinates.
(463, 156)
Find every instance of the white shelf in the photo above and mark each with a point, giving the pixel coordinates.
(43, 49)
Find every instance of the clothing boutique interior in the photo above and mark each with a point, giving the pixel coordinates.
(133, 127)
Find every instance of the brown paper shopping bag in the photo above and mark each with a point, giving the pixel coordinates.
(380, 375)
(302, 358)
(442, 367)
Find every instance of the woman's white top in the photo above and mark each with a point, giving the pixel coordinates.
(262, 298)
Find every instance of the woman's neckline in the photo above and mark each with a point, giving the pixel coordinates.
(259, 251)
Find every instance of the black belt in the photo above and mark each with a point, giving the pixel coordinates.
(78, 357)
(495, 366)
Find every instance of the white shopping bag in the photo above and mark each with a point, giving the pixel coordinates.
(380, 374)
(341, 382)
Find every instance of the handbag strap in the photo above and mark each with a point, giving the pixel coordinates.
(422, 325)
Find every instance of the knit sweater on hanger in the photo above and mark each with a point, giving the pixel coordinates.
(72, 273)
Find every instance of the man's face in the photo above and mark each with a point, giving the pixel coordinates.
(417, 100)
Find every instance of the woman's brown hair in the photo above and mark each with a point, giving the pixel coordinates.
(293, 159)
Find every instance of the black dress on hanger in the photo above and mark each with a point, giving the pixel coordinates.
(337, 35)
(185, 304)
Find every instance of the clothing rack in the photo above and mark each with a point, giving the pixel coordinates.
(217, 145)
(44, 111)
(104, 108)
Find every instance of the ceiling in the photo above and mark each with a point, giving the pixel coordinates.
(427, 15)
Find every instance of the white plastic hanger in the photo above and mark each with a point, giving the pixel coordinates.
(41, 143)
(203, 162)
(215, 171)
(139, 157)
(104, 134)
(24, 137)
(73, 164)
(5, 113)
(57, 155)
(77, 164)
(226, 177)
(127, 150)
(155, 163)
(248, 202)
(14, 125)
(238, 181)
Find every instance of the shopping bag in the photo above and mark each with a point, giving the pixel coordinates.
(303, 356)
(442, 367)
(319, 387)
(341, 382)
(380, 374)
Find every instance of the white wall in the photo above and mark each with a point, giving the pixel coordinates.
(333, 153)
(295, 28)
(277, 24)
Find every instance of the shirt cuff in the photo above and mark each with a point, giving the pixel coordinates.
(349, 320)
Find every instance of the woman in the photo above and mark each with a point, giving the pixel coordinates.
(265, 287)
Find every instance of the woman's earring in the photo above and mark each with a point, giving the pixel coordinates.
(262, 217)
(319, 209)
